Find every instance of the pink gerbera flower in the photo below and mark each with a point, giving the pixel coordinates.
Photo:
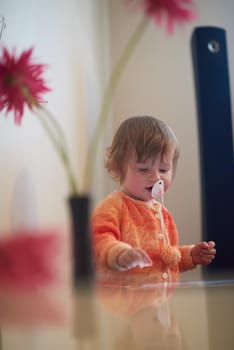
(169, 11)
(21, 82)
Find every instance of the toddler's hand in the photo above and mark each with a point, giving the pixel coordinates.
(203, 253)
(134, 257)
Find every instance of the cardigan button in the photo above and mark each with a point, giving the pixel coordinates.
(160, 236)
(165, 275)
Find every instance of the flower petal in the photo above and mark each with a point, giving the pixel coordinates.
(171, 11)
(21, 82)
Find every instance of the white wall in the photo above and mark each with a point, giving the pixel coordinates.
(71, 37)
(159, 81)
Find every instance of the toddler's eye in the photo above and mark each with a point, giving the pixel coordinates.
(163, 171)
(143, 170)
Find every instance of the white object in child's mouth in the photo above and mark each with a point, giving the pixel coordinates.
(158, 191)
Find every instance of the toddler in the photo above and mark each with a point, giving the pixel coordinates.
(132, 230)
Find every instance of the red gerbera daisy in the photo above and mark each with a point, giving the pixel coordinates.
(169, 11)
(21, 82)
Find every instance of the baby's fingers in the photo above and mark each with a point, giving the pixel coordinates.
(211, 244)
(143, 257)
(139, 258)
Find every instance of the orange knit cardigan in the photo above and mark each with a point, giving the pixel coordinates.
(120, 222)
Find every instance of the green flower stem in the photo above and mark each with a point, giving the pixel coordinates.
(106, 104)
(56, 136)
(55, 125)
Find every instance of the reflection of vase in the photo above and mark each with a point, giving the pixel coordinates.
(83, 270)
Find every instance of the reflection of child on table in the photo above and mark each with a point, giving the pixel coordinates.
(141, 316)
(132, 231)
(150, 330)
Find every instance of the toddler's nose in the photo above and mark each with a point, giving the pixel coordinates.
(155, 175)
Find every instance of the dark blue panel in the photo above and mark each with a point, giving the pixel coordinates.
(210, 65)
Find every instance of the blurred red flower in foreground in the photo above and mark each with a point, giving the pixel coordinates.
(34, 278)
(21, 82)
(29, 259)
(170, 11)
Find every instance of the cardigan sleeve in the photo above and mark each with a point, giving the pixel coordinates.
(186, 262)
(106, 231)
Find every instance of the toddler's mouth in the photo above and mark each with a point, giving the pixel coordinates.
(149, 188)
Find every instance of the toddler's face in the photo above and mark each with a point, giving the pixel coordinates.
(140, 177)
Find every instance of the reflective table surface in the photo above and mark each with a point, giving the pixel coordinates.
(189, 315)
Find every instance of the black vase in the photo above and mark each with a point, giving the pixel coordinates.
(83, 267)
